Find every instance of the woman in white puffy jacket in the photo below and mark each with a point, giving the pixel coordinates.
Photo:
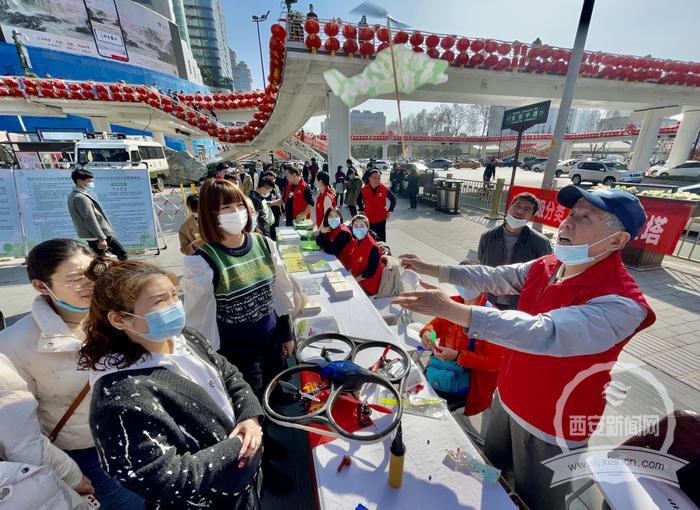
(43, 347)
(33, 472)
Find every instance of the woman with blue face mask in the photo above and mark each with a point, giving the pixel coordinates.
(43, 346)
(172, 420)
(366, 264)
(335, 237)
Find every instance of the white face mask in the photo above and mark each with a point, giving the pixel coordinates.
(514, 222)
(577, 254)
(233, 222)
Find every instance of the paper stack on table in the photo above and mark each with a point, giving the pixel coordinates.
(317, 264)
(288, 237)
(311, 307)
(339, 286)
(294, 260)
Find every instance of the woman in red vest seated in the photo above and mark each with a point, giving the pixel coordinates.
(366, 264)
(326, 197)
(372, 202)
(298, 200)
(336, 238)
(481, 357)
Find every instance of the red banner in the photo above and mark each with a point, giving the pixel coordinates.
(666, 219)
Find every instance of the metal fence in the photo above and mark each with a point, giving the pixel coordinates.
(686, 247)
(478, 195)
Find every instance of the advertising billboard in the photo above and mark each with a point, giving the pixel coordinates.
(118, 30)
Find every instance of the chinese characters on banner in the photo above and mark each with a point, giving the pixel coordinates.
(666, 219)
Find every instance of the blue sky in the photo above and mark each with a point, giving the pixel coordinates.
(664, 29)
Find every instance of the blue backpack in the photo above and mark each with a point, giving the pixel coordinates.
(449, 376)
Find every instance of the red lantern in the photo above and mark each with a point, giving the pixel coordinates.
(278, 31)
(477, 45)
(448, 55)
(476, 59)
(313, 42)
(207, 99)
(382, 46)
(490, 46)
(448, 42)
(366, 49)
(503, 64)
(383, 34)
(534, 52)
(433, 53)
(416, 39)
(311, 26)
(276, 46)
(463, 44)
(331, 28)
(332, 45)
(349, 32)
(350, 46)
(129, 97)
(491, 60)
(504, 49)
(102, 96)
(462, 59)
(73, 86)
(432, 41)
(401, 37)
(546, 52)
(366, 34)
(59, 84)
(88, 94)
(113, 87)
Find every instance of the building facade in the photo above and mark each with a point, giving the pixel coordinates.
(363, 122)
(242, 79)
(207, 33)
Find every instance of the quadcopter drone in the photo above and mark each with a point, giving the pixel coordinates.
(341, 388)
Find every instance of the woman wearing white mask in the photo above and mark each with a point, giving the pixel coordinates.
(236, 287)
(172, 420)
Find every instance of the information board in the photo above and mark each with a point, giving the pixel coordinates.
(11, 241)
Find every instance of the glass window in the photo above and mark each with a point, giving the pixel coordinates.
(86, 156)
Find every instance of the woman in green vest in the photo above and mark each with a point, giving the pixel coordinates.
(237, 291)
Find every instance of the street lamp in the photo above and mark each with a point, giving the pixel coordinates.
(257, 20)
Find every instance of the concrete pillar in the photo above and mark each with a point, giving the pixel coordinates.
(338, 131)
(409, 152)
(646, 142)
(159, 137)
(189, 146)
(385, 152)
(685, 136)
(482, 151)
(566, 150)
(100, 125)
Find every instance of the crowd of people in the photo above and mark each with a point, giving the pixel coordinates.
(117, 388)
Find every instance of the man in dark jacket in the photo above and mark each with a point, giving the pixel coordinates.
(89, 219)
(490, 169)
(313, 170)
(513, 242)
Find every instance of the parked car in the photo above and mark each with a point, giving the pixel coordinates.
(508, 162)
(440, 163)
(468, 163)
(528, 165)
(420, 167)
(539, 165)
(687, 169)
(564, 167)
(605, 172)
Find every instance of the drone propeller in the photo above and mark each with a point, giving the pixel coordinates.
(376, 407)
(376, 11)
(290, 387)
(332, 350)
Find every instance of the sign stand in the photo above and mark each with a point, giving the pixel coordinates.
(520, 120)
(161, 234)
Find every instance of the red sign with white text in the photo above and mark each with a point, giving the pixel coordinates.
(666, 219)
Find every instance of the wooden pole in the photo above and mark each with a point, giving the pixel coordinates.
(396, 87)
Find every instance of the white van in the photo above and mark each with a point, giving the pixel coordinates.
(108, 151)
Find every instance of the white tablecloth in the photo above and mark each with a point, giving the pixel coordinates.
(427, 482)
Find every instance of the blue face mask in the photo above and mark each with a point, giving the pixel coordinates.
(577, 254)
(163, 324)
(359, 232)
(90, 185)
(65, 305)
(334, 222)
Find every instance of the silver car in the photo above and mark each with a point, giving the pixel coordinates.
(603, 171)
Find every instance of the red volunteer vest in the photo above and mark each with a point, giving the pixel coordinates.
(320, 212)
(298, 201)
(346, 255)
(359, 264)
(530, 385)
(375, 202)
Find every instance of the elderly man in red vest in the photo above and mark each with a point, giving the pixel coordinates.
(577, 310)
(372, 201)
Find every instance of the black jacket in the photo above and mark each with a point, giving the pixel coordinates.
(161, 435)
(531, 245)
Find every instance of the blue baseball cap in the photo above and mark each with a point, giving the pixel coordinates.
(625, 206)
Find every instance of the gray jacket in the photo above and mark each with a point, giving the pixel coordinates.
(531, 245)
(89, 219)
